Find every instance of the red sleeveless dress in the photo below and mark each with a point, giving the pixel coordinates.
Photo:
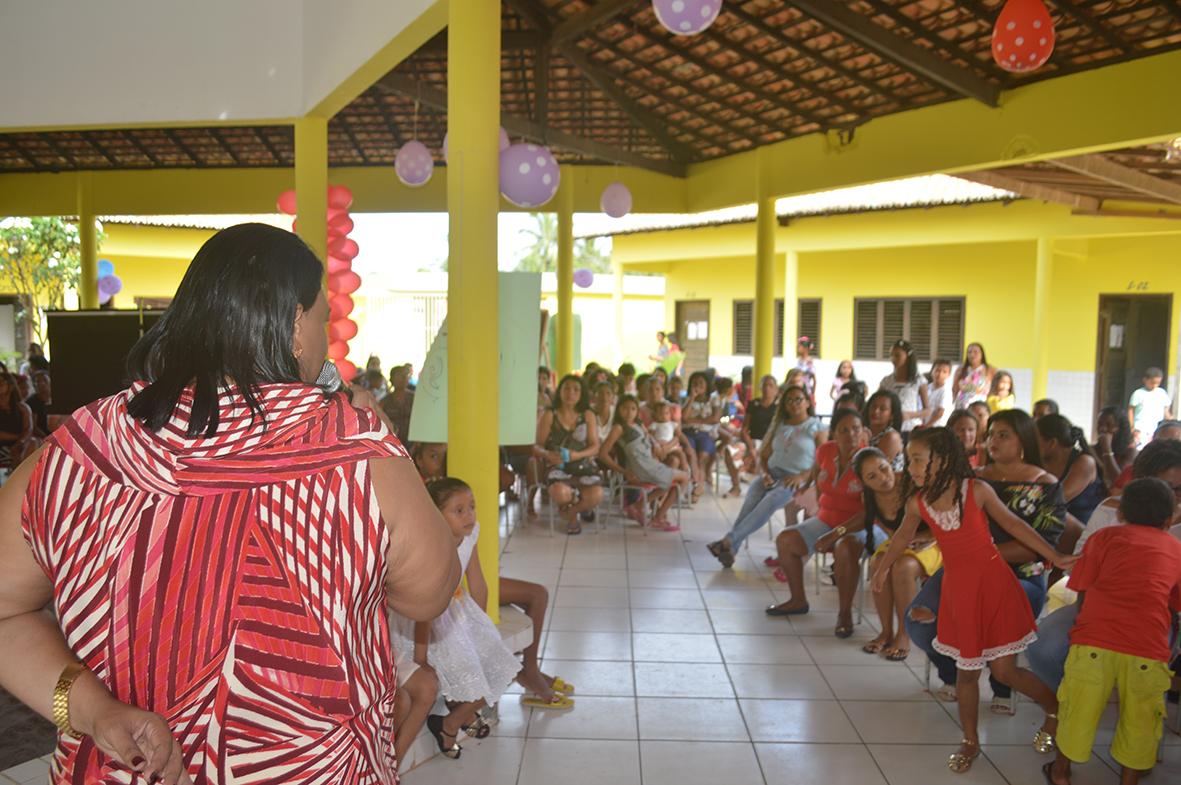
(983, 611)
(232, 584)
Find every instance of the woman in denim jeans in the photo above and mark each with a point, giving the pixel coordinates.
(788, 455)
(1015, 472)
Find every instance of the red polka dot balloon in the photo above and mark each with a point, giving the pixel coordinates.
(1023, 38)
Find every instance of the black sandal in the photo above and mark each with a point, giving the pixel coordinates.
(434, 724)
(721, 552)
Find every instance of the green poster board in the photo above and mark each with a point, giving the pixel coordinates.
(551, 342)
(520, 326)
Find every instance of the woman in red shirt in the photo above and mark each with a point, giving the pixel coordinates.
(839, 494)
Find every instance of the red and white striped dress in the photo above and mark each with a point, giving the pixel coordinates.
(233, 584)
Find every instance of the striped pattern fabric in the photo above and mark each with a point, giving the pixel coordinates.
(232, 584)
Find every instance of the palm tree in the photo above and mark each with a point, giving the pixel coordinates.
(542, 256)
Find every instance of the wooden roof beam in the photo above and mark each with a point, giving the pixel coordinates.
(1101, 168)
(863, 31)
(523, 126)
(573, 26)
(1033, 190)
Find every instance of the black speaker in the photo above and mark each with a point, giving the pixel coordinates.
(89, 351)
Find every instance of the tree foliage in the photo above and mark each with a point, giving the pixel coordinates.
(39, 259)
(542, 256)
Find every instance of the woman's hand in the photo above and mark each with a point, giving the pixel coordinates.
(826, 543)
(1105, 442)
(1064, 561)
(878, 581)
(796, 481)
(630, 478)
(138, 739)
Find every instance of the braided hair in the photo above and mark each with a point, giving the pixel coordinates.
(953, 470)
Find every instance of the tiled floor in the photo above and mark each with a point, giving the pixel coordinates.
(682, 679)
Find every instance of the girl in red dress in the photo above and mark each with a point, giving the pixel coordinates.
(984, 616)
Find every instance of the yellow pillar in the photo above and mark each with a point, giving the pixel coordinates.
(1043, 270)
(565, 197)
(473, 200)
(88, 239)
(311, 183)
(764, 333)
(617, 304)
(791, 308)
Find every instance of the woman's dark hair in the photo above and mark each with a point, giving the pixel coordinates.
(602, 386)
(863, 455)
(1049, 403)
(723, 384)
(996, 383)
(703, 376)
(1056, 428)
(781, 403)
(944, 445)
(1022, 425)
(1157, 458)
(232, 321)
(1147, 502)
(442, 489)
(619, 406)
(895, 408)
(1121, 440)
(912, 360)
(840, 416)
(852, 371)
(868, 500)
(627, 369)
(747, 374)
(14, 390)
(583, 404)
(852, 396)
(963, 414)
(962, 371)
(641, 384)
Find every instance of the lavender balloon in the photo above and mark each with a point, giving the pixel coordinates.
(504, 142)
(686, 17)
(616, 200)
(110, 285)
(414, 164)
(584, 277)
(528, 175)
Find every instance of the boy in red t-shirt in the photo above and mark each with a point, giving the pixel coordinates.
(1129, 580)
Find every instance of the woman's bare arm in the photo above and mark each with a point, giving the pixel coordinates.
(423, 566)
(475, 581)
(1020, 530)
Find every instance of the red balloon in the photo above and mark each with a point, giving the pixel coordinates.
(344, 283)
(338, 350)
(286, 202)
(340, 196)
(342, 330)
(336, 212)
(336, 246)
(349, 249)
(1023, 38)
(339, 306)
(347, 370)
(341, 223)
(338, 265)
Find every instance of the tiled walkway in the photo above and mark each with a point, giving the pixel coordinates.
(681, 679)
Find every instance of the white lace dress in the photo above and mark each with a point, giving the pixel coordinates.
(466, 650)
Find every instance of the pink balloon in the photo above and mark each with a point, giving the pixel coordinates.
(347, 370)
(338, 265)
(504, 142)
(686, 17)
(340, 196)
(344, 283)
(336, 244)
(286, 202)
(337, 351)
(339, 306)
(414, 164)
(583, 277)
(616, 200)
(341, 222)
(529, 175)
(349, 249)
(342, 330)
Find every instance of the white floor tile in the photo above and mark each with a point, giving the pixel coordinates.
(763, 650)
(589, 620)
(680, 762)
(1022, 765)
(820, 764)
(672, 599)
(682, 680)
(588, 646)
(674, 647)
(889, 722)
(36, 770)
(798, 721)
(737, 599)
(572, 576)
(590, 677)
(681, 578)
(591, 597)
(749, 622)
(889, 682)
(905, 764)
(591, 718)
(514, 718)
(580, 762)
(665, 620)
(691, 719)
(779, 681)
(496, 761)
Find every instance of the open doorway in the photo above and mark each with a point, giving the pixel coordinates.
(1134, 332)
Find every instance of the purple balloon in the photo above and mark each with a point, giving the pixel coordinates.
(584, 277)
(504, 142)
(110, 285)
(529, 175)
(686, 17)
(616, 200)
(103, 298)
(414, 164)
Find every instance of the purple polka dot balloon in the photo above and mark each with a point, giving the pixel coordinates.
(414, 164)
(686, 17)
(528, 175)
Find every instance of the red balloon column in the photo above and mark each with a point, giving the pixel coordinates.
(342, 281)
(1023, 38)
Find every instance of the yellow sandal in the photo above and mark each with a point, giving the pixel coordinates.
(561, 685)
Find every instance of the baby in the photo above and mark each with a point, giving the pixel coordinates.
(663, 429)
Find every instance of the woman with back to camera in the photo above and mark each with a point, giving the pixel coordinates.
(221, 594)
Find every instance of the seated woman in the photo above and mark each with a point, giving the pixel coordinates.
(1114, 446)
(16, 424)
(964, 425)
(787, 457)
(603, 400)
(730, 431)
(639, 465)
(567, 444)
(1047, 656)
(759, 413)
(885, 507)
(839, 493)
(883, 414)
(1066, 454)
(1015, 472)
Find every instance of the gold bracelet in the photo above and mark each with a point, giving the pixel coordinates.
(61, 699)
(841, 531)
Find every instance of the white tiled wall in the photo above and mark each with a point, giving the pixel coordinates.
(1075, 393)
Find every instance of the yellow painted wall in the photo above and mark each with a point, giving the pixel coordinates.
(150, 260)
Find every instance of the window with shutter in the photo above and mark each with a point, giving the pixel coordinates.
(865, 329)
(918, 330)
(949, 342)
(893, 324)
(935, 327)
(809, 322)
(744, 327)
(778, 327)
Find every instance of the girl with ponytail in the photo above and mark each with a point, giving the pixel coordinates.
(1066, 455)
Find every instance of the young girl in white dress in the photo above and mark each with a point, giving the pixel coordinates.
(473, 665)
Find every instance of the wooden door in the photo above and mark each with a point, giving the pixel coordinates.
(693, 333)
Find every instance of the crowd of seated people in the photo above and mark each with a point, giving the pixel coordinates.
(25, 397)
